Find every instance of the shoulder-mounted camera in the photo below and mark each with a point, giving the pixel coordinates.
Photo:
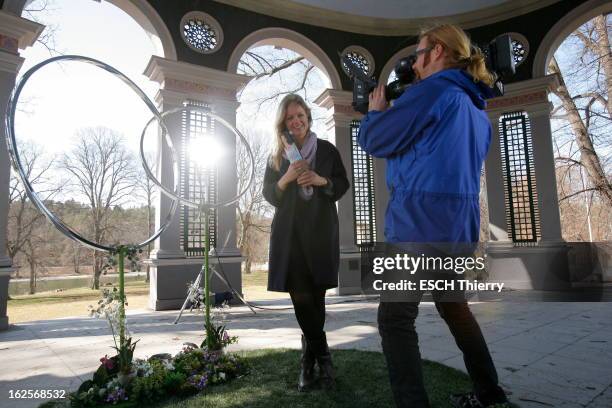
(499, 61)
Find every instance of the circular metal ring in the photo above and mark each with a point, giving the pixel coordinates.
(175, 195)
(17, 165)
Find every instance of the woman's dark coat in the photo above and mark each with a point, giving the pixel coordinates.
(319, 231)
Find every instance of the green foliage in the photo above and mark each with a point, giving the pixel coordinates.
(149, 388)
(218, 337)
(173, 382)
(126, 353)
(132, 255)
(89, 398)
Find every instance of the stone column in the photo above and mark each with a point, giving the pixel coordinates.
(546, 179)
(338, 124)
(543, 265)
(171, 270)
(167, 246)
(15, 33)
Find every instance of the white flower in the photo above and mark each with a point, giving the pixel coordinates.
(168, 365)
(142, 367)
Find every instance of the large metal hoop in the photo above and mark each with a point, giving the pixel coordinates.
(17, 165)
(176, 196)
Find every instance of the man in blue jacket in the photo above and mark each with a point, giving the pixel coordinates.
(434, 138)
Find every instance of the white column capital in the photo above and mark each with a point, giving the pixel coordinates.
(17, 32)
(540, 109)
(523, 95)
(195, 81)
(339, 105)
(331, 97)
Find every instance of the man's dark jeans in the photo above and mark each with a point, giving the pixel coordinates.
(401, 348)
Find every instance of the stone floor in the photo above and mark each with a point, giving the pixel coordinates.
(547, 354)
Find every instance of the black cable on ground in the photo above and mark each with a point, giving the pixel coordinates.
(251, 305)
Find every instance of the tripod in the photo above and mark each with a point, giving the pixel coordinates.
(205, 273)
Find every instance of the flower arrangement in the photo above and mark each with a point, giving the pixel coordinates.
(124, 381)
(110, 307)
(216, 336)
(191, 371)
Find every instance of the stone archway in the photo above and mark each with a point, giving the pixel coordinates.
(291, 40)
(140, 10)
(563, 28)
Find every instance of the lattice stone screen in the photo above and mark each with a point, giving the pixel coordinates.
(197, 184)
(522, 213)
(363, 191)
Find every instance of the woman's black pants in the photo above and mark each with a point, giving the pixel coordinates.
(308, 299)
(309, 309)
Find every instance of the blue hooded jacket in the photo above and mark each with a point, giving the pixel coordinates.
(435, 138)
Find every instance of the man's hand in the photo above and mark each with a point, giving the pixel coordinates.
(310, 178)
(377, 99)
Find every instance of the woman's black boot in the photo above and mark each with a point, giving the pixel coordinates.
(307, 364)
(327, 377)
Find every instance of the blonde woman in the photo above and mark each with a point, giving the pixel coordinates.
(304, 245)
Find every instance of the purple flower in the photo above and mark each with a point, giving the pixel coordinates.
(116, 395)
(225, 336)
(198, 381)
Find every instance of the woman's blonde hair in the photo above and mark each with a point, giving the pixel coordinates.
(279, 126)
(461, 53)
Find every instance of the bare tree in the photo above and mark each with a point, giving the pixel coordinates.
(252, 207)
(25, 222)
(583, 109)
(38, 11)
(277, 72)
(105, 175)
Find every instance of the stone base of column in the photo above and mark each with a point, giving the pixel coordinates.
(169, 279)
(4, 284)
(349, 273)
(167, 254)
(541, 267)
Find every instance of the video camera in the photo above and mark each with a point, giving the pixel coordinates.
(499, 60)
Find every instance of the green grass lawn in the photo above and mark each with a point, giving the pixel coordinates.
(69, 302)
(255, 278)
(69, 295)
(362, 381)
(74, 302)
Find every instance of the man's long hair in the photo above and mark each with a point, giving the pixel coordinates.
(279, 126)
(460, 51)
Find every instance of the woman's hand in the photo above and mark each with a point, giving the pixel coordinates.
(310, 178)
(295, 169)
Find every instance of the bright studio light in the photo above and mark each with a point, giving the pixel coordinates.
(206, 151)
